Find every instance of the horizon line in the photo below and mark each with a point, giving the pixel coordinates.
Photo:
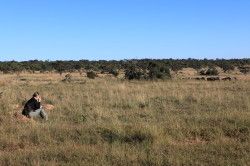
(108, 60)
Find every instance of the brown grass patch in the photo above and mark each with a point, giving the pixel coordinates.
(48, 107)
(19, 117)
(188, 142)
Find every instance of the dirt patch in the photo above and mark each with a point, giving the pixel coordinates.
(19, 117)
(48, 107)
(187, 72)
(243, 77)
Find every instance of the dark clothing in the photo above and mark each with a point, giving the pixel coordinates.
(31, 105)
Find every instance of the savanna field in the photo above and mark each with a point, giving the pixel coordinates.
(110, 121)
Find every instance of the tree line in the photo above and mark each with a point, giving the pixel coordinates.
(134, 67)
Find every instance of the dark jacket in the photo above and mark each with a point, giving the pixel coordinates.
(31, 105)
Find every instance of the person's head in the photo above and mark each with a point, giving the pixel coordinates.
(36, 95)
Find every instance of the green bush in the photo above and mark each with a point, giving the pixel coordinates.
(227, 66)
(158, 72)
(134, 73)
(115, 72)
(153, 71)
(209, 71)
(91, 75)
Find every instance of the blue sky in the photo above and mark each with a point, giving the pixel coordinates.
(124, 29)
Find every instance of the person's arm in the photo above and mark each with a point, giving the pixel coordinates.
(38, 103)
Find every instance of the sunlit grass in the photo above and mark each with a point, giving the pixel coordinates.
(116, 122)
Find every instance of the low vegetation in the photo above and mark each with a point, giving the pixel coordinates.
(114, 66)
(91, 74)
(118, 122)
(210, 71)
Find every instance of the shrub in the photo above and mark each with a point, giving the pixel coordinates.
(134, 73)
(210, 71)
(115, 72)
(91, 75)
(244, 69)
(158, 72)
(227, 67)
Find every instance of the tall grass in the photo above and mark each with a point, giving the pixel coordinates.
(115, 122)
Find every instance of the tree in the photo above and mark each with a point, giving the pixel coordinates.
(209, 71)
(157, 71)
(134, 73)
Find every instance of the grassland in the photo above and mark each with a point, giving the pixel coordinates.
(110, 121)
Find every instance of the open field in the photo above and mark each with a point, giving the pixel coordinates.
(108, 121)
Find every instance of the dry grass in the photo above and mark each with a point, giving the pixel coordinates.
(115, 122)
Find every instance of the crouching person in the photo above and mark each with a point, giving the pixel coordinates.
(33, 108)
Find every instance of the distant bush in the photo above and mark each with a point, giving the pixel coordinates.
(134, 73)
(152, 72)
(244, 70)
(158, 72)
(91, 74)
(115, 72)
(209, 71)
(226, 66)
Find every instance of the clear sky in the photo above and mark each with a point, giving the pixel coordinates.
(123, 29)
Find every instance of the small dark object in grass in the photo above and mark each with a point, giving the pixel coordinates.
(68, 78)
(91, 75)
